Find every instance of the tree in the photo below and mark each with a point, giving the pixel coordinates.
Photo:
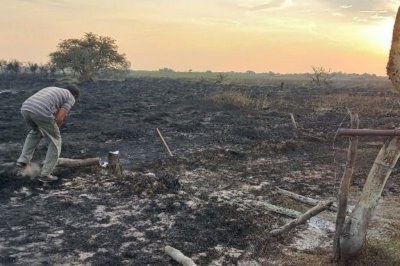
(88, 55)
(321, 76)
(13, 67)
(33, 67)
(3, 65)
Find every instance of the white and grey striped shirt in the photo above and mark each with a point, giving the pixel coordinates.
(48, 100)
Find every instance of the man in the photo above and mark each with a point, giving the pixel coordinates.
(44, 112)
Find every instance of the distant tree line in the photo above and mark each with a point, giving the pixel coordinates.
(14, 67)
(94, 55)
(86, 58)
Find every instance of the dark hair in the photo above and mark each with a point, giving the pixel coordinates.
(73, 90)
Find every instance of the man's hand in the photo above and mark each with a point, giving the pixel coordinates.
(60, 116)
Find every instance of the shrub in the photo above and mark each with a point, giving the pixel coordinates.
(321, 76)
(238, 99)
(33, 67)
(13, 67)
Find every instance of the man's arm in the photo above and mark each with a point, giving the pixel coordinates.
(60, 115)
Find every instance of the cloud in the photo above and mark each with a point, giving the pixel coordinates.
(274, 4)
(337, 14)
(258, 5)
(361, 10)
(57, 4)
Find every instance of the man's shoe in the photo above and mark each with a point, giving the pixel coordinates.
(48, 178)
(21, 164)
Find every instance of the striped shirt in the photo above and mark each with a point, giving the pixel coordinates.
(48, 100)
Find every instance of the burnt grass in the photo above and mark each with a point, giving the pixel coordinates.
(224, 156)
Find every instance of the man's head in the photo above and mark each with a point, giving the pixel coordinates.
(73, 90)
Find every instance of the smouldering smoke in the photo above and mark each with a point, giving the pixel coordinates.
(31, 170)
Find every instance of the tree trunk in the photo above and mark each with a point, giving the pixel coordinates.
(393, 66)
(344, 188)
(353, 237)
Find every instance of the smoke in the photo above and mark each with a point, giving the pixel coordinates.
(31, 170)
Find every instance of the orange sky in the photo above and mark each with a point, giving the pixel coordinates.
(285, 36)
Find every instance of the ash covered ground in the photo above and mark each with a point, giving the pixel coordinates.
(204, 201)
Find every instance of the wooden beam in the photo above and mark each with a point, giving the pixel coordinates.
(302, 218)
(368, 132)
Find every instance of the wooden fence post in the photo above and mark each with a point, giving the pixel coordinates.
(345, 186)
(113, 163)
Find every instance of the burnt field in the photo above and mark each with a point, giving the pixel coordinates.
(207, 199)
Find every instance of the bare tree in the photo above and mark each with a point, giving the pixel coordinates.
(13, 67)
(321, 76)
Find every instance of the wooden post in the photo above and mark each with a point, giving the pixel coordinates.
(302, 218)
(113, 164)
(293, 120)
(345, 186)
(163, 141)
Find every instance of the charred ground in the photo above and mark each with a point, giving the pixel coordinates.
(204, 200)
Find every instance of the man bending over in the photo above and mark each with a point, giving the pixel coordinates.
(44, 112)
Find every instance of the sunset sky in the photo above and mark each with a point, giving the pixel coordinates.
(286, 36)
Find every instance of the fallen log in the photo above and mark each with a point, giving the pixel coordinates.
(66, 162)
(302, 218)
(303, 199)
(178, 256)
(280, 210)
(33, 169)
